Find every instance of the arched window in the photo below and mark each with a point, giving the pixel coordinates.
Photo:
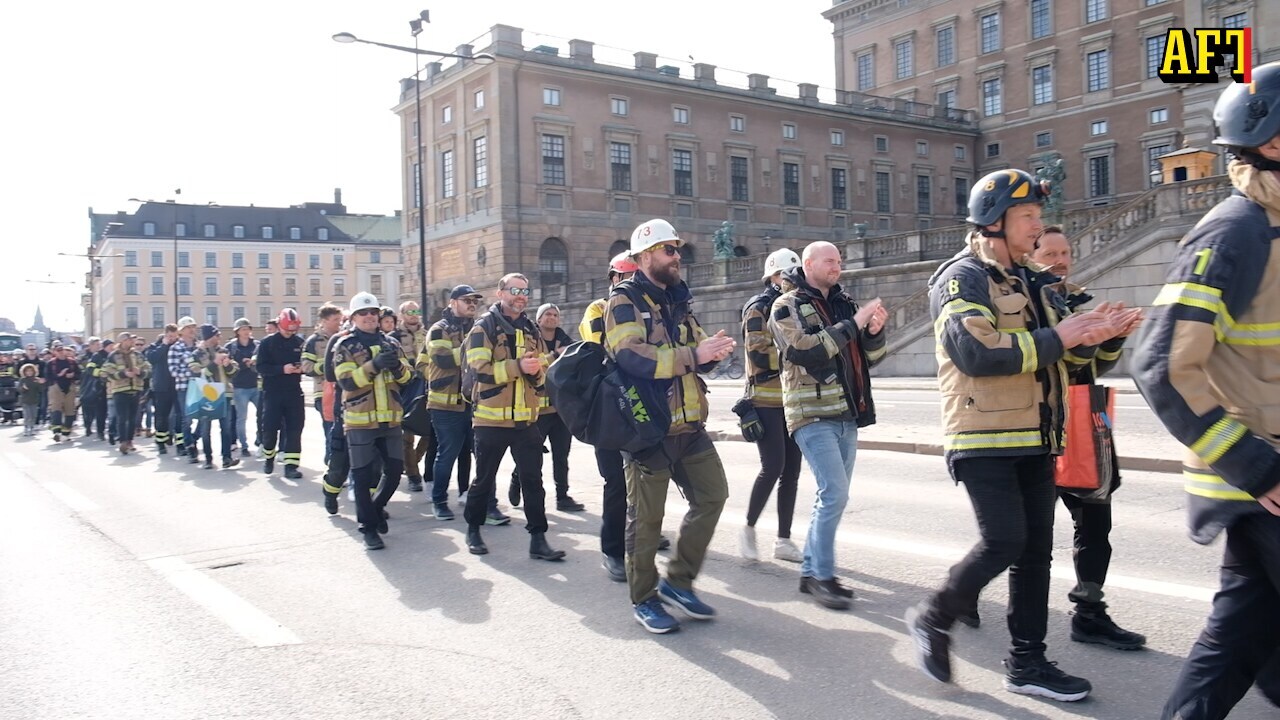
(620, 246)
(553, 263)
(739, 251)
(687, 255)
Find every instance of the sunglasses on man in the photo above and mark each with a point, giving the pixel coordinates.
(518, 291)
(668, 249)
(414, 313)
(366, 311)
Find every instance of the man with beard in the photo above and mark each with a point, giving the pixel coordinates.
(412, 339)
(279, 363)
(504, 351)
(658, 343)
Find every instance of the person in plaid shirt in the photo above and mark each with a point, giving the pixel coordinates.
(180, 369)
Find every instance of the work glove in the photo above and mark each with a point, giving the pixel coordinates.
(387, 360)
(748, 421)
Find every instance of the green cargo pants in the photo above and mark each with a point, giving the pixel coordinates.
(692, 461)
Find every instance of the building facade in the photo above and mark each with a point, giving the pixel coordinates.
(544, 161)
(216, 264)
(1073, 80)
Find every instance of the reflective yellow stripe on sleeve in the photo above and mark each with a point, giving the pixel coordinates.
(356, 372)
(1211, 486)
(1190, 294)
(993, 441)
(1218, 439)
(1027, 347)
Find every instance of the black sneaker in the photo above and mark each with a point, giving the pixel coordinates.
(1097, 627)
(208, 464)
(839, 589)
(970, 618)
(292, 472)
(415, 484)
(826, 592)
(160, 448)
(1042, 678)
(932, 646)
(372, 541)
(268, 466)
(331, 503)
(568, 504)
(193, 458)
(230, 462)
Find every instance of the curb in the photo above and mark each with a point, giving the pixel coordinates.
(1144, 464)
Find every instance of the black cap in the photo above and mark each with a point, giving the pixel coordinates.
(462, 291)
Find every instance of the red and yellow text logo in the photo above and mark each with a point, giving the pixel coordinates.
(1194, 56)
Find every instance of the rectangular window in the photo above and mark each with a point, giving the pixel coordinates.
(1095, 10)
(314, 287)
(1155, 54)
(882, 193)
(788, 131)
(338, 264)
(551, 96)
(947, 99)
(959, 152)
(866, 71)
(290, 261)
(264, 260)
(131, 286)
(290, 287)
(922, 148)
(619, 106)
(924, 195)
(682, 172)
(264, 314)
(553, 159)
(414, 132)
(738, 180)
(268, 232)
(680, 115)
(446, 114)
(990, 32)
(237, 231)
(211, 286)
(1099, 176)
(184, 258)
(1159, 115)
(131, 317)
(620, 166)
(184, 285)
(237, 286)
(148, 228)
(1098, 64)
(944, 40)
(1098, 127)
(1044, 139)
(479, 99)
(417, 183)
(480, 161)
(837, 138)
(737, 123)
(210, 230)
(237, 260)
(962, 196)
(1041, 19)
(157, 317)
(882, 143)
(1154, 169)
(322, 233)
(375, 256)
(903, 59)
(313, 262)
(992, 102)
(791, 184)
(446, 174)
(264, 286)
(839, 189)
(295, 232)
(157, 258)
(131, 258)
(340, 287)
(1236, 21)
(993, 149)
(211, 315)
(157, 286)
(375, 284)
(1041, 85)
(238, 311)
(211, 259)
(180, 229)
(184, 311)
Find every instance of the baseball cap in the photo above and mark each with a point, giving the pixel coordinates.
(462, 291)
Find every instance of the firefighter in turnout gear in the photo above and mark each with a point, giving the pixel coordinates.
(1206, 362)
(279, 364)
(441, 362)
(126, 372)
(313, 353)
(371, 370)
(1002, 331)
(339, 465)
(413, 340)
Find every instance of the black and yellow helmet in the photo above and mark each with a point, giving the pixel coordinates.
(998, 191)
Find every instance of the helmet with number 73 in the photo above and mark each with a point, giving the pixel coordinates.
(651, 233)
(996, 192)
(780, 261)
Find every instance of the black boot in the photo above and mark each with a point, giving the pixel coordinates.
(540, 550)
(331, 502)
(372, 541)
(1094, 625)
(513, 492)
(475, 544)
(826, 592)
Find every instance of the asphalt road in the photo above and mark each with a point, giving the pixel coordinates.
(145, 587)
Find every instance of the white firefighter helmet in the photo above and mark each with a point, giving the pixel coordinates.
(651, 233)
(363, 301)
(779, 261)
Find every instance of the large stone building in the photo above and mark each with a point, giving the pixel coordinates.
(218, 263)
(544, 160)
(1050, 79)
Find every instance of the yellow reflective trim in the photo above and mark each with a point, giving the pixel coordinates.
(1190, 294)
(1074, 359)
(480, 354)
(1218, 439)
(665, 358)
(625, 331)
(1211, 486)
(500, 376)
(1027, 348)
(766, 393)
(993, 441)
(310, 356)
(874, 355)
(959, 306)
(353, 369)
(1108, 356)
(443, 343)
(446, 398)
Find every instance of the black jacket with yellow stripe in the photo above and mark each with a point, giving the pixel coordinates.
(764, 372)
(1002, 370)
(505, 396)
(1208, 362)
(554, 348)
(370, 397)
(440, 362)
(655, 340)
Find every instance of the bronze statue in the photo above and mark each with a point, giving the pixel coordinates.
(723, 241)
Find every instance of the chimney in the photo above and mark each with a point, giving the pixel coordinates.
(646, 61)
(809, 93)
(759, 82)
(704, 72)
(337, 196)
(465, 51)
(433, 69)
(582, 50)
(507, 39)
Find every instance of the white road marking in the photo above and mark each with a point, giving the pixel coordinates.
(251, 623)
(71, 498)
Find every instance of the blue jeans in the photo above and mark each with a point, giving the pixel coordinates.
(452, 429)
(244, 396)
(830, 447)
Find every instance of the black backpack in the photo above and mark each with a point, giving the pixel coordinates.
(601, 405)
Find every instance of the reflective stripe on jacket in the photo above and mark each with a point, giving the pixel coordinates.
(440, 361)
(370, 397)
(505, 396)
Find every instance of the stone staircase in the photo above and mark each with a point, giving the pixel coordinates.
(1101, 242)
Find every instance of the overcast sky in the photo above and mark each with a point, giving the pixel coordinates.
(241, 102)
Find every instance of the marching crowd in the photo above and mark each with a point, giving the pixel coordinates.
(1014, 341)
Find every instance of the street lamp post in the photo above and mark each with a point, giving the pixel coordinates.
(415, 27)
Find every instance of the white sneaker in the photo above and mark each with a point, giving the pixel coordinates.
(784, 549)
(747, 543)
